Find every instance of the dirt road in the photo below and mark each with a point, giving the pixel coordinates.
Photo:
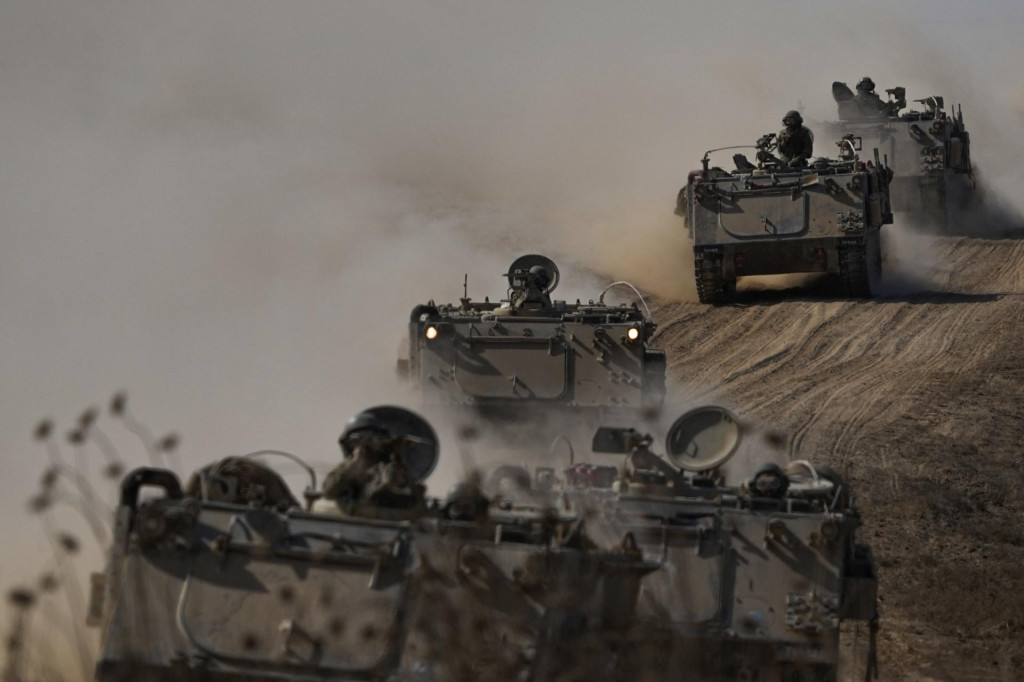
(915, 397)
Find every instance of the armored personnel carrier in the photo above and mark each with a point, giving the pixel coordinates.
(231, 579)
(757, 569)
(770, 219)
(646, 566)
(929, 150)
(531, 358)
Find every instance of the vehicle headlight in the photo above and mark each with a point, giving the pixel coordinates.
(633, 333)
(430, 333)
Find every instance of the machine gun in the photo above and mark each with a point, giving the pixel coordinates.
(765, 145)
(767, 142)
(897, 100)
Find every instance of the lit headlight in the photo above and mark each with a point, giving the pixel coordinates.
(633, 334)
(430, 333)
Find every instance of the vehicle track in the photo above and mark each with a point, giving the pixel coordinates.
(916, 398)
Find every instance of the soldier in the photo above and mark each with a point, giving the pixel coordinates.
(374, 469)
(534, 294)
(768, 481)
(796, 141)
(869, 104)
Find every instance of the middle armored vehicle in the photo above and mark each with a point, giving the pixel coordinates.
(529, 357)
(651, 567)
(772, 219)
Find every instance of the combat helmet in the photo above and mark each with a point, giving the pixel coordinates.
(793, 114)
(540, 276)
(866, 84)
(364, 423)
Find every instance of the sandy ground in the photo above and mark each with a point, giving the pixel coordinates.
(916, 397)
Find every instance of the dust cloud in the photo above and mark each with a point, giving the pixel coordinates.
(231, 207)
(912, 261)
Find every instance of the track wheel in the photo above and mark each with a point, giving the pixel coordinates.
(860, 266)
(712, 286)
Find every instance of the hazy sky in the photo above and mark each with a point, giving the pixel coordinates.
(229, 208)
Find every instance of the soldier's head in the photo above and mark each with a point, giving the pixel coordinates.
(364, 434)
(866, 85)
(540, 277)
(768, 481)
(792, 119)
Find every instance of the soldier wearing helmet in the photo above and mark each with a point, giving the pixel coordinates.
(796, 141)
(373, 469)
(768, 481)
(534, 292)
(869, 104)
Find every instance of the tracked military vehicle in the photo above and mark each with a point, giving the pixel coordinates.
(231, 579)
(659, 569)
(929, 151)
(770, 219)
(757, 569)
(531, 358)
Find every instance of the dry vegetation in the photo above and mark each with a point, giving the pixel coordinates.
(46, 637)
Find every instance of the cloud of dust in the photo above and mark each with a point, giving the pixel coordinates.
(912, 261)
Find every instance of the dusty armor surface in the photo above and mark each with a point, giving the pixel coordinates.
(928, 150)
(648, 567)
(529, 357)
(236, 588)
(771, 219)
(755, 575)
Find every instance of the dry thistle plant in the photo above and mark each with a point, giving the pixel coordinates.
(68, 484)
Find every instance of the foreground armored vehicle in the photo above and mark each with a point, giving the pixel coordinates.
(772, 219)
(644, 567)
(755, 574)
(929, 151)
(230, 579)
(531, 358)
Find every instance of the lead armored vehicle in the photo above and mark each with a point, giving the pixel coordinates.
(652, 567)
(929, 151)
(532, 358)
(771, 219)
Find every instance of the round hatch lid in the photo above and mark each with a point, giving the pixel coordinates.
(532, 260)
(420, 446)
(703, 438)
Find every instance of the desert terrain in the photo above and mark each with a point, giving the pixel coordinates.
(914, 397)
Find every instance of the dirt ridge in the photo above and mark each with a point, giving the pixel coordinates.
(916, 398)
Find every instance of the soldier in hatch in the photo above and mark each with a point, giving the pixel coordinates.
(374, 469)
(868, 102)
(796, 141)
(534, 294)
(768, 481)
